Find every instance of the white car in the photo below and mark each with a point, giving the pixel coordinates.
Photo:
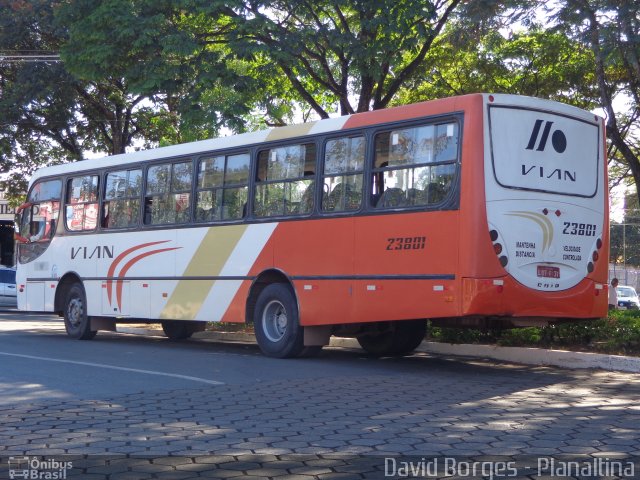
(8, 287)
(627, 297)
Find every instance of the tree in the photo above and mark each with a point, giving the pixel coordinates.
(533, 62)
(327, 55)
(611, 29)
(47, 114)
(160, 48)
(356, 54)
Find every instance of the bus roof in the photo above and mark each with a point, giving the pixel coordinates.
(405, 112)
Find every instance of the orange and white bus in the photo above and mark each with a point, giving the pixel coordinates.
(479, 210)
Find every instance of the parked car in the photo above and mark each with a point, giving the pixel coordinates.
(8, 287)
(627, 297)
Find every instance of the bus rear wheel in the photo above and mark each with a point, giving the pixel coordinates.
(76, 322)
(400, 338)
(276, 323)
(178, 329)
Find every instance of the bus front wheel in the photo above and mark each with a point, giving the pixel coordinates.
(400, 338)
(276, 322)
(76, 322)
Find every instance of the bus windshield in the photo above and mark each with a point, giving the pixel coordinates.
(38, 219)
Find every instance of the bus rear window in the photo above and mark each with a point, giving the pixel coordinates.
(545, 152)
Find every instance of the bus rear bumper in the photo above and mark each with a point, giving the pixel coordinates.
(505, 297)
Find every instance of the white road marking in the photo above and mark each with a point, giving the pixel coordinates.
(113, 367)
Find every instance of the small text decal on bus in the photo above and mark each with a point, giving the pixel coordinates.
(101, 251)
(407, 243)
(582, 229)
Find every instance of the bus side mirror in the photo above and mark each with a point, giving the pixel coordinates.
(22, 207)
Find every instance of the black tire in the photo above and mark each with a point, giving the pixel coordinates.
(399, 338)
(178, 329)
(276, 323)
(76, 322)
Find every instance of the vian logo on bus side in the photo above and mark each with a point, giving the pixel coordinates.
(85, 253)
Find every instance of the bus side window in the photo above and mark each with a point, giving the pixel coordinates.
(168, 196)
(285, 181)
(414, 166)
(81, 210)
(343, 168)
(223, 186)
(121, 206)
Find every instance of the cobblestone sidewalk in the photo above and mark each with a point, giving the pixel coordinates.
(321, 428)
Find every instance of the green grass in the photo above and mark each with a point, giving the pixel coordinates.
(617, 334)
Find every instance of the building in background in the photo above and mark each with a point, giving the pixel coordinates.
(7, 213)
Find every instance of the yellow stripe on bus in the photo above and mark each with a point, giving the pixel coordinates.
(289, 131)
(209, 259)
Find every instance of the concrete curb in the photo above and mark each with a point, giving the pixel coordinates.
(523, 355)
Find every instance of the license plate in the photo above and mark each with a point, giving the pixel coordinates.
(548, 272)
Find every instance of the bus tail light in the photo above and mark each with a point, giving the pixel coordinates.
(595, 256)
(497, 247)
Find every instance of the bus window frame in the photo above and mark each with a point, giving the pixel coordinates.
(222, 153)
(452, 200)
(253, 183)
(103, 191)
(364, 132)
(64, 202)
(171, 161)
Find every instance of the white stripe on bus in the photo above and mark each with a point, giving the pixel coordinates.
(239, 263)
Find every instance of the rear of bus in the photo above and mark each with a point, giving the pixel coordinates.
(546, 201)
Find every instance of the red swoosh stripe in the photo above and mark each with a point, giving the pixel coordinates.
(119, 258)
(130, 264)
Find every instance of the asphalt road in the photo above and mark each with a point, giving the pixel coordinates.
(224, 410)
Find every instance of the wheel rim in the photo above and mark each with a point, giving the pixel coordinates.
(274, 321)
(75, 312)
